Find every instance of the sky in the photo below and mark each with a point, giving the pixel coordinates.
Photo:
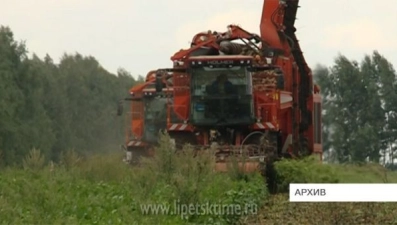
(141, 35)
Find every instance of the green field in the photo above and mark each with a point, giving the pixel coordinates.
(102, 190)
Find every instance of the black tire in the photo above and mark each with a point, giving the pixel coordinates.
(271, 178)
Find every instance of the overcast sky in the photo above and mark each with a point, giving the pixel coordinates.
(140, 35)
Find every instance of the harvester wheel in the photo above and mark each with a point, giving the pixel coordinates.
(270, 175)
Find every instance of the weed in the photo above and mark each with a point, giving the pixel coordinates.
(34, 160)
(307, 170)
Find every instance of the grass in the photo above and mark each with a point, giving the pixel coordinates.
(367, 173)
(278, 209)
(102, 190)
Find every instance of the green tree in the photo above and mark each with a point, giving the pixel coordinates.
(11, 97)
(56, 107)
(358, 102)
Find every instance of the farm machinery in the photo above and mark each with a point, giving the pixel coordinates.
(242, 94)
(147, 116)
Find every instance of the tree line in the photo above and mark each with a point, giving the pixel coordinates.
(57, 107)
(72, 105)
(359, 109)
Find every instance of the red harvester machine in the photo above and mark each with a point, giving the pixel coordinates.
(267, 108)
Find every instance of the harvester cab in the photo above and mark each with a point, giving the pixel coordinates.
(221, 91)
(155, 112)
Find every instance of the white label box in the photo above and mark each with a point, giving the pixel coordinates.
(343, 192)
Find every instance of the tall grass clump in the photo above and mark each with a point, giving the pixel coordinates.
(306, 170)
(34, 160)
(235, 167)
(70, 159)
